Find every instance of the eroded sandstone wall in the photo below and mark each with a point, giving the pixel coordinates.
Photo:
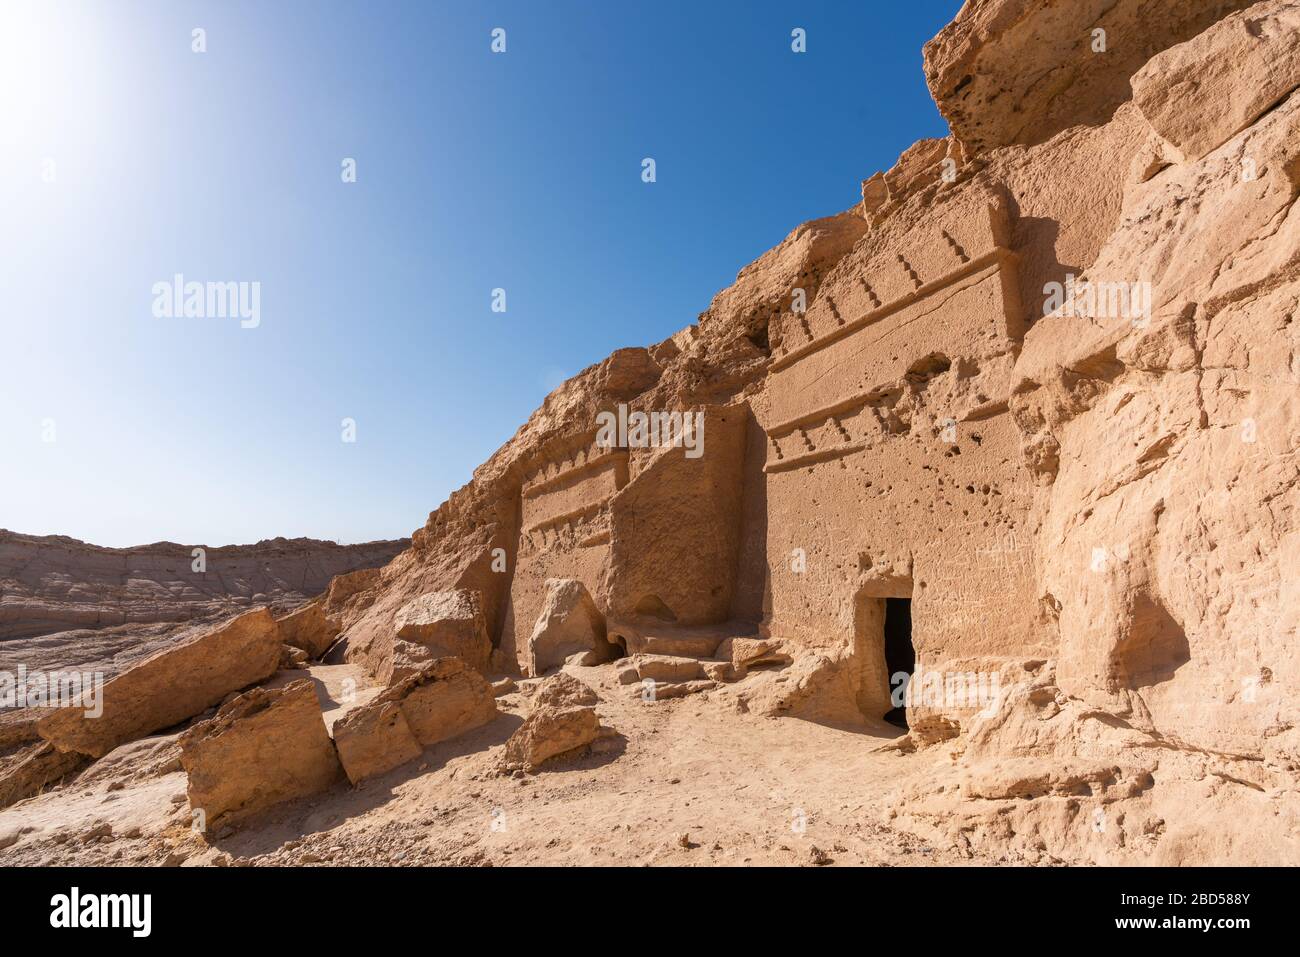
(1096, 506)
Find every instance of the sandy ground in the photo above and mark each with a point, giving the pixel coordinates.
(692, 781)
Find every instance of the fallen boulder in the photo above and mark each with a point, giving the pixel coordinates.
(548, 733)
(170, 686)
(569, 625)
(441, 624)
(309, 628)
(32, 768)
(563, 691)
(260, 749)
(374, 739)
(443, 699)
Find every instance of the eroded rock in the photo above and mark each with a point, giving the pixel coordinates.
(172, 685)
(570, 627)
(262, 748)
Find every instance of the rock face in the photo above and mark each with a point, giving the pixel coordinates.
(569, 625)
(53, 583)
(1237, 70)
(1004, 452)
(177, 683)
(262, 748)
(1003, 456)
(1020, 71)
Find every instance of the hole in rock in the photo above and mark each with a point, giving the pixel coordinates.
(900, 654)
(927, 368)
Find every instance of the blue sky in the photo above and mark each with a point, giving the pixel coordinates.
(475, 171)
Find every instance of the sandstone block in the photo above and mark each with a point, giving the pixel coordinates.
(1201, 93)
(446, 624)
(668, 668)
(309, 628)
(443, 699)
(374, 739)
(563, 691)
(570, 624)
(549, 732)
(171, 686)
(262, 748)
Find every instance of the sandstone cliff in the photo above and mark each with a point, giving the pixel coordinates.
(52, 583)
(1043, 392)
(1018, 428)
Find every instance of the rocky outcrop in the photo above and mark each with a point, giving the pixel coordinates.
(999, 462)
(177, 683)
(1235, 72)
(54, 584)
(262, 748)
(569, 626)
(1010, 72)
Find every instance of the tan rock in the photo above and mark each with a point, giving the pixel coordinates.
(292, 658)
(563, 691)
(172, 685)
(309, 628)
(443, 699)
(1019, 71)
(667, 667)
(1201, 93)
(32, 768)
(570, 626)
(374, 739)
(444, 624)
(549, 732)
(262, 748)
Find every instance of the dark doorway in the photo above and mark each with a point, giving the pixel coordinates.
(899, 653)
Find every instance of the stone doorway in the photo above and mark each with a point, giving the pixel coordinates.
(900, 655)
(883, 647)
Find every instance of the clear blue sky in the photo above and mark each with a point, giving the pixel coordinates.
(475, 170)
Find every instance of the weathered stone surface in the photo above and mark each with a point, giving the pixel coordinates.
(1201, 93)
(1019, 71)
(443, 699)
(549, 732)
(262, 748)
(563, 691)
(374, 739)
(433, 625)
(309, 629)
(570, 625)
(31, 768)
(172, 685)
